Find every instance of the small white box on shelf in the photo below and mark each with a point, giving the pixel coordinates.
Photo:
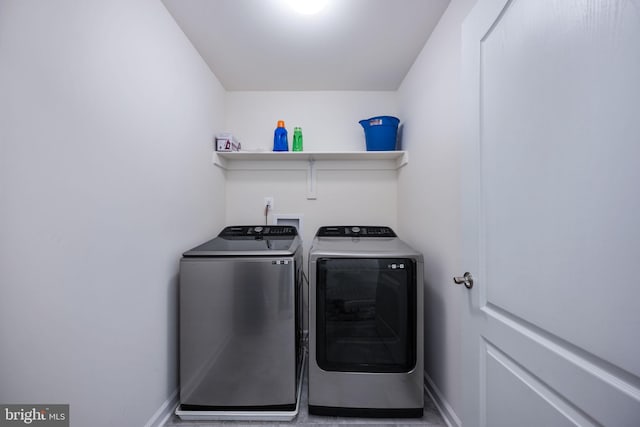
(227, 142)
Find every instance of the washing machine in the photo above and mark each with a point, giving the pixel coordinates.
(241, 325)
(365, 324)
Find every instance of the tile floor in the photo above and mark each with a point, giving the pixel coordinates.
(431, 418)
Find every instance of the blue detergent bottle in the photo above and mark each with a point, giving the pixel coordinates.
(280, 139)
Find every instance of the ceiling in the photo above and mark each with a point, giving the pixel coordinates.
(349, 45)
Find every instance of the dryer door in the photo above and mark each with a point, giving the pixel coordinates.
(366, 314)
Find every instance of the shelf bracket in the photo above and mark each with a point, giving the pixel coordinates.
(311, 180)
(403, 160)
(220, 162)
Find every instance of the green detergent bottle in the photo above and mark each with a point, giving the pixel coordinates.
(297, 139)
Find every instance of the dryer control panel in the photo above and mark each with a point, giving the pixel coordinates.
(355, 231)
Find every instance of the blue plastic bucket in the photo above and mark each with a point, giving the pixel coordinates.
(380, 133)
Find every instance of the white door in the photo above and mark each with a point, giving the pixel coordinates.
(552, 213)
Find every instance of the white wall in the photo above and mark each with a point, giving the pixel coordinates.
(106, 119)
(329, 120)
(429, 195)
(343, 197)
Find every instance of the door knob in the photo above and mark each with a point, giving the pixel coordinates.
(467, 280)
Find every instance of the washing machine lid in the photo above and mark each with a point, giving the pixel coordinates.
(250, 240)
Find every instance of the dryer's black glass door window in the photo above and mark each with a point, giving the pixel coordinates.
(366, 311)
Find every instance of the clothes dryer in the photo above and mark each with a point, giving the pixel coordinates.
(365, 324)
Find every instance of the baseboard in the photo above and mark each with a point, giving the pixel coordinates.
(165, 411)
(446, 411)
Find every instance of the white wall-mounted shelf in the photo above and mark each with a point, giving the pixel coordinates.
(311, 161)
(269, 160)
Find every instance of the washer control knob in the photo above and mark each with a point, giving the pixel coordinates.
(355, 229)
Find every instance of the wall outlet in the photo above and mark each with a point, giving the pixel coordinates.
(268, 201)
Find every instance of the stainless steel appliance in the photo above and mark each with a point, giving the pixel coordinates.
(240, 323)
(365, 324)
